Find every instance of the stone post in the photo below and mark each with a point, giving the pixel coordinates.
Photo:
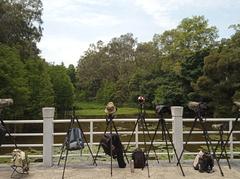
(177, 126)
(48, 117)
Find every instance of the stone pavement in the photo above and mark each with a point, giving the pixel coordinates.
(163, 170)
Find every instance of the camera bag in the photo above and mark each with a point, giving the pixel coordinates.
(203, 162)
(139, 159)
(117, 148)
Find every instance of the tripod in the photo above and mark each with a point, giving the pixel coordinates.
(143, 124)
(7, 131)
(230, 133)
(221, 142)
(66, 144)
(160, 109)
(199, 109)
(110, 125)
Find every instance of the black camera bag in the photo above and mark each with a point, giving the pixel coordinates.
(3, 132)
(117, 148)
(139, 159)
(206, 163)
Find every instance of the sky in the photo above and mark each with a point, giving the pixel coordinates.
(70, 26)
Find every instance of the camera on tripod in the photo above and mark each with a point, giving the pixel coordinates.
(5, 102)
(197, 106)
(141, 100)
(161, 109)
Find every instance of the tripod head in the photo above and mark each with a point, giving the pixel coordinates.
(161, 110)
(5, 103)
(198, 107)
(141, 102)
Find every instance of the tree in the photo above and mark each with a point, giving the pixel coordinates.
(220, 83)
(13, 83)
(40, 86)
(71, 71)
(113, 62)
(63, 88)
(192, 36)
(21, 25)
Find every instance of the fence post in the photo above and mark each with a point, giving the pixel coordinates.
(177, 128)
(48, 116)
(91, 135)
(136, 136)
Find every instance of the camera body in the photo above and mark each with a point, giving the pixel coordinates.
(141, 100)
(197, 106)
(161, 109)
(5, 102)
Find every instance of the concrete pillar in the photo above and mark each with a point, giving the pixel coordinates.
(48, 117)
(177, 126)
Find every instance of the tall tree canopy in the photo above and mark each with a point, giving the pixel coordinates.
(21, 25)
(220, 83)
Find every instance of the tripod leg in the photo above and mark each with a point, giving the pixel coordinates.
(135, 125)
(153, 138)
(65, 164)
(165, 138)
(62, 149)
(224, 149)
(230, 133)
(150, 139)
(120, 141)
(174, 149)
(188, 137)
(210, 143)
(145, 145)
(219, 142)
(100, 144)
(66, 139)
(85, 139)
(8, 132)
(111, 144)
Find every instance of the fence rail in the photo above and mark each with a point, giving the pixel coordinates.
(48, 134)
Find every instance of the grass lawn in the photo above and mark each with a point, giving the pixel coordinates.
(93, 109)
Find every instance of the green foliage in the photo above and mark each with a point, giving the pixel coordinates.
(13, 83)
(21, 25)
(221, 83)
(40, 86)
(63, 88)
(169, 92)
(106, 92)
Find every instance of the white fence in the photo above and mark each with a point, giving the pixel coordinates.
(176, 131)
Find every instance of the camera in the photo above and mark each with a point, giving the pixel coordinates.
(237, 104)
(160, 109)
(5, 102)
(141, 99)
(195, 106)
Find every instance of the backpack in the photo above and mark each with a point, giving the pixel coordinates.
(3, 132)
(106, 141)
(139, 159)
(117, 148)
(75, 139)
(20, 159)
(203, 162)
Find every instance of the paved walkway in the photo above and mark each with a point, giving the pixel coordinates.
(163, 170)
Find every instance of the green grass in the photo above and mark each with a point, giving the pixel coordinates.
(94, 109)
